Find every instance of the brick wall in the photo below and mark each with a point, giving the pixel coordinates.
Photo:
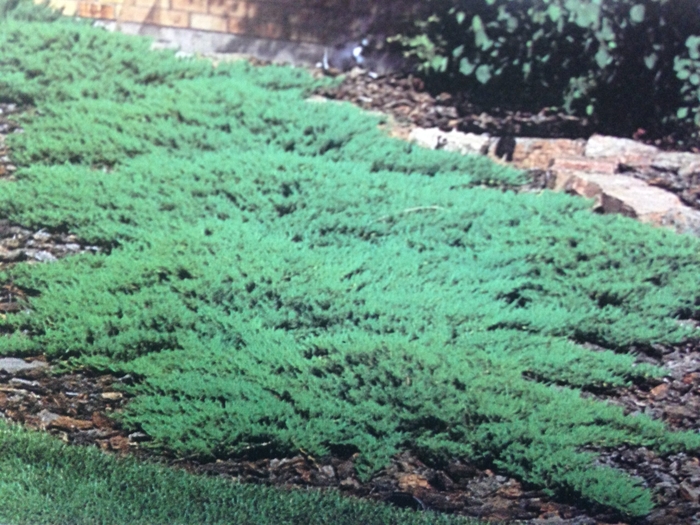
(316, 21)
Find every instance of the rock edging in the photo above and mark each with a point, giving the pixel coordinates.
(620, 175)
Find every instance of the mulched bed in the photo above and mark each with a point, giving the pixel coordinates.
(79, 407)
(407, 100)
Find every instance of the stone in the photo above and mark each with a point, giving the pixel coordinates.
(603, 201)
(609, 166)
(648, 203)
(44, 256)
(13, 365)
(682, 220)
(464, 143)
(9, 256)
(692, 169)
(42, 236)
(430, 138)
(467, 143)
(541, 153)
(674, 161)
(327, 471)
(46, 417)
(600, 146)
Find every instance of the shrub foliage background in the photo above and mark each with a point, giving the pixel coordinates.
(590, 57)
(278, 274)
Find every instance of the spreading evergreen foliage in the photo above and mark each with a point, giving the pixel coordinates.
(278, 274)
(45, 482)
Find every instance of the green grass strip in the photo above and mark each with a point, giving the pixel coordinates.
(277, 271)
(45, 482)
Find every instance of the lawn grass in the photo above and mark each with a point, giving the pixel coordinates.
(279, 272)
(46, 482)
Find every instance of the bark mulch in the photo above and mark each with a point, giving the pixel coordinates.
(406, 98)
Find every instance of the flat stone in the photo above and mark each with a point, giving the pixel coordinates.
(683, 220)
(674, 161)
(13, 365)
(46, 417)
(540, 153)
(584, 164)
(11, 255)
(603, 146)
(464, 143)
(44, 256)
(692, 169)
(42, 236)
(467, 143)
(648, 203)
(431, 138)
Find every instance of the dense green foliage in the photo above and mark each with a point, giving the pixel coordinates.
(688, 70)
(278, 274)
(45, 482)
(595, 57)
(28, 10)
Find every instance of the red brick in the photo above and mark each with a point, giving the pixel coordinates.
(160, 4)
(70, 7)
(172, 18)
(197, 6)
(144, 15)
(306, 34)
(208, 22)
(130, 13)
(233, 8)
(256, 28)
(94, 10)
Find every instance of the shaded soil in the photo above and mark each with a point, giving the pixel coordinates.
(80, 407)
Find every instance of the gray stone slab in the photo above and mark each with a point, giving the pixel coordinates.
(13, 365)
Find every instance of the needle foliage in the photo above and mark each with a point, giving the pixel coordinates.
(280, 275)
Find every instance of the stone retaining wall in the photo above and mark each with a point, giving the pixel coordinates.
(324, 22)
